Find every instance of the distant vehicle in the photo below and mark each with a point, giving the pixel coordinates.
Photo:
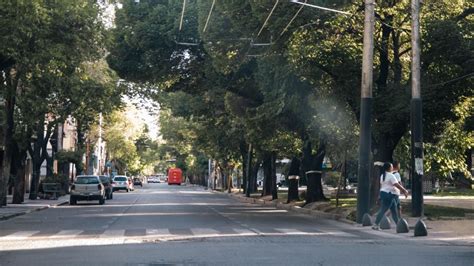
(107, 182)
(153, 179)
(175, 176)
(161, 178)
(120, 182)
(280, 179)
(87, 187)
(137, 182)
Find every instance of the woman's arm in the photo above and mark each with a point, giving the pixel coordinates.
(402, 189)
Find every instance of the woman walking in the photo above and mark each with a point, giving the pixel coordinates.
(387, 199)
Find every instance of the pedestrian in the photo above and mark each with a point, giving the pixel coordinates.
(387, 198)
(396, 191)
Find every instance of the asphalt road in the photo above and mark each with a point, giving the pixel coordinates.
(180, 225)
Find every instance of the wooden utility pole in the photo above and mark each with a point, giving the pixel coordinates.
(416, 114)
(363, 189)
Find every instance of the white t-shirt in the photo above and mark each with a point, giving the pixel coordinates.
(395, 190)
(387, 185)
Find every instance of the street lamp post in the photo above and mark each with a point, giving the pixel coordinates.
(363, 190)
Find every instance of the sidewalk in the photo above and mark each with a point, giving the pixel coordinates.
(13, 210)
(463, 202)
(440, 230)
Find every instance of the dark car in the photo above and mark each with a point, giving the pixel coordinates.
(137, 182)
(107, 182)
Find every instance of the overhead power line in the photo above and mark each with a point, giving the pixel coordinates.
(291, 21)
(449, 81)
(320, 7)
(182, 15)
(209, 16)
(268, 17)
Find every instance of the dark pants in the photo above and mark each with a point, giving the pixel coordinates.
(387, 201)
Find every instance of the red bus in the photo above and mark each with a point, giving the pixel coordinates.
(175, 176)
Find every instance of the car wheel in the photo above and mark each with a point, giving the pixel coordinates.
(72, 201)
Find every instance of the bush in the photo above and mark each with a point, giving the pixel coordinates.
(61, 179)
(332, 178)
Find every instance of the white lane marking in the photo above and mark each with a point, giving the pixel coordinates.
(204, 231)
(66, 234)
(19, 235)
(290, 231)
(158, 232)
(113, 233)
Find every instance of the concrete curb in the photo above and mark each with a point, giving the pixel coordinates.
(40, 208)
(297, 209)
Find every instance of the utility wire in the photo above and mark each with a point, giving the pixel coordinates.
(182, 16)
(209, 16)
(320, 7)
(291, 21)
(268, 17)
(449, 81)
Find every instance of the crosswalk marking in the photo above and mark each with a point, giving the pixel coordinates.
(204, 231)
(167, 232)
(158, 232)
(245, 232)
(19, 235)
(113, 233)
(290, 231)
(340, 233)
(66, 233)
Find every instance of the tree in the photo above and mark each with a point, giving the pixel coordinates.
(42, 44)
(329, 52)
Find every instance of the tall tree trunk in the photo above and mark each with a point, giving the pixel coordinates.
(293, 178)
(18, 172)
(80, 147)
(384, 152)
(384, 53)
(274, 178)
(243, 154)
(253, 182)
(35, 178)
(248, 184)
(312, 166)
(39, 154)
(229, 179)
(9, 108)
(397, 65)
(267, 174)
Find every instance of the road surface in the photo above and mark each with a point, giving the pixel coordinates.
(186, 225)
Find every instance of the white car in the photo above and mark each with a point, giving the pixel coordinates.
(153, 179)
(87, 187)
(121, 182)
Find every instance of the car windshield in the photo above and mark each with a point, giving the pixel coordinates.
(104, 179)
(87, 180)
(120, 178)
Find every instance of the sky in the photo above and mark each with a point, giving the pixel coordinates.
(145, 111)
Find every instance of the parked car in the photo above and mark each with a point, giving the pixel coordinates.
(120, 182)
(137, 182)
(87, 187)
(107, 182)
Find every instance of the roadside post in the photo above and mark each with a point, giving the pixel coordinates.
(416, 123)
(363, 176)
